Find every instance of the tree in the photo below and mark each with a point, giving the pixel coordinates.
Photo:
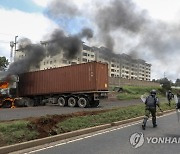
(166, 84)
(3, 63)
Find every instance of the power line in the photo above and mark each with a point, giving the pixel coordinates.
(1, 41)
(6, 34)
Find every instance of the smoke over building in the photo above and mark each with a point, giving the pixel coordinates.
(114, 23)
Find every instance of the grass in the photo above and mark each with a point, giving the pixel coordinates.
(16, 131)
(134, 92)
(104, 118)
(12, 132)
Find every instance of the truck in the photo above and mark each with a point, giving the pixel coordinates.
(80, 85)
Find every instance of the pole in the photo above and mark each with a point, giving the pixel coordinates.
(11, 54)
(15, 43)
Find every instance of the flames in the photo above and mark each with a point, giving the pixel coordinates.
(4, 84)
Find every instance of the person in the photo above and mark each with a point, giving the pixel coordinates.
(177, 101)
(150, 108)
(169, 97)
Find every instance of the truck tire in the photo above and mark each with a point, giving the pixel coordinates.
(83, 102)
(62, 101)
(30, 103)
(95, 103)
(19, 102)
(72, 101)
(7, 104)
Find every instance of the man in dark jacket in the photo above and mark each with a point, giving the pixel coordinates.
(151, 102)
(169, 97)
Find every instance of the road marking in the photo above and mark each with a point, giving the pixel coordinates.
(89, 136)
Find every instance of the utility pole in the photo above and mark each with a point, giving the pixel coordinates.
(164, 74)
(15, 43)
(11, 54)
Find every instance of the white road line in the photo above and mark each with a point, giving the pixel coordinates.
(89, 136)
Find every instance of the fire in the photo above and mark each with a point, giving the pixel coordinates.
(4, 85)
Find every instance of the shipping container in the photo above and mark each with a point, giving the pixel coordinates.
(81, 84)
(75, 78)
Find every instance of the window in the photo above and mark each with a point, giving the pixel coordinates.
(65, 61)
(73, 63)
(84, 54)
(84, 60)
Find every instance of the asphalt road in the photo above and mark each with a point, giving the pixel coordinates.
(117, 140)
(26, 112)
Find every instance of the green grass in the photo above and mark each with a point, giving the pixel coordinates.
(104, 118)
(17, 131)
(125, 96)
(134, 92)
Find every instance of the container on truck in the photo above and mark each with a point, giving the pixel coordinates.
(80, 85)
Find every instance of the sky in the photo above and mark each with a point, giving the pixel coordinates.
(145, 29)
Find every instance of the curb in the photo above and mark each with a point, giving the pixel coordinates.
(37, 142)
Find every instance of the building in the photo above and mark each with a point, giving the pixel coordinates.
(120, 65)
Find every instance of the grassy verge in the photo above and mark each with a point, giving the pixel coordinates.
(12, 132)
(134, 92)
(104, 118)
(15, 132)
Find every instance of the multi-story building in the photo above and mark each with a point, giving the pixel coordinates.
(120, 65)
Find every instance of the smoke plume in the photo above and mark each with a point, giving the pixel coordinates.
(70, 46)
(65, 8)
(118, 15)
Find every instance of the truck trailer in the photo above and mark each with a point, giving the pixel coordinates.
(80, 85)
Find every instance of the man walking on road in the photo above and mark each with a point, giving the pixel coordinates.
(151, 102)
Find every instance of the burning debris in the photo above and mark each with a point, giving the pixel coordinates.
(4, 84)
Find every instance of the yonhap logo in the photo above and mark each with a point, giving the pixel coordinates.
(137, 139)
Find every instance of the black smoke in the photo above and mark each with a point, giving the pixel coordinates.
(63, 8)
(119, 15)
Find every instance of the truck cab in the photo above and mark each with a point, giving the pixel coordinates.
(8, 91)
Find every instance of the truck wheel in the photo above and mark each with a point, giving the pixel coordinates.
(83, 102)
(30, 103)
(95, 103)
(62, 101)
(7, 104)
(71, 102)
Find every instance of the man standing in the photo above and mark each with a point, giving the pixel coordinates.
(169, 96)
(151, 102)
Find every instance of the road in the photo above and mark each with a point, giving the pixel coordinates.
(26, 112)
(117, 140)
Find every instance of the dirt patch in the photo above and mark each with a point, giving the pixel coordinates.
(46, 126)
(2, 142)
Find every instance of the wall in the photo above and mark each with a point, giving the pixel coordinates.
(132, 82)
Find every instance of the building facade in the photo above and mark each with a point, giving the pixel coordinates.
(120, 65)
